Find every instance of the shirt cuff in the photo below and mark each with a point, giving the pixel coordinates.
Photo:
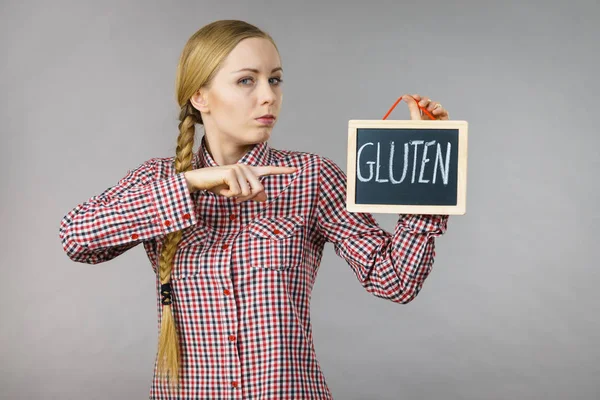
(433, 225)
(174, 203)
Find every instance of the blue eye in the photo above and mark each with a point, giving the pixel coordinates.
(272, 81)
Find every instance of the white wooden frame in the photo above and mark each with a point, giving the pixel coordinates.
(458, 209)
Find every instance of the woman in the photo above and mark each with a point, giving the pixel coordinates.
(235, 232)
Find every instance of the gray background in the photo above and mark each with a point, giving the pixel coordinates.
(511, 308)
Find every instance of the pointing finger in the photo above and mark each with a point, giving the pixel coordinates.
(265, 170)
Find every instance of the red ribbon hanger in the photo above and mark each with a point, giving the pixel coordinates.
(398, 101)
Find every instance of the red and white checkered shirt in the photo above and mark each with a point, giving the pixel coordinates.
(243, 273)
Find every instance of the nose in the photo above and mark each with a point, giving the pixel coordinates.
(267, 93)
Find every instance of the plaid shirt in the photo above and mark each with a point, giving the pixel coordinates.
(243, 273)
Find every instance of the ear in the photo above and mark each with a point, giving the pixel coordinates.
(199, 101)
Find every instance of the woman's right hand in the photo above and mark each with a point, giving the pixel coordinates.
(236, 180)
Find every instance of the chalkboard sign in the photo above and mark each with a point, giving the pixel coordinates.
(407, 167)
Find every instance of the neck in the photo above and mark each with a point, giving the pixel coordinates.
(225, 152)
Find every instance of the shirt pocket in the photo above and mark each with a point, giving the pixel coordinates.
(276, 243)
(195, 241)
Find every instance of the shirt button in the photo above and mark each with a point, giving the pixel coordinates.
(135, 236)
(232, 217)
(276, 231)
(167, 223)
(231, 338)
(186, 216)
(225, 247)
(234, 384)
(226, 292)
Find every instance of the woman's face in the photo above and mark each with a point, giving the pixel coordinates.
(246, 88)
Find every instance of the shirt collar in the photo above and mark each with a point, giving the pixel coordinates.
(260, 154)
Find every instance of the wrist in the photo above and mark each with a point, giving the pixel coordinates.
(190, 186)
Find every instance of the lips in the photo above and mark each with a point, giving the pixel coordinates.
(266, 120)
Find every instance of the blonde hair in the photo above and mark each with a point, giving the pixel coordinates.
(200, 60)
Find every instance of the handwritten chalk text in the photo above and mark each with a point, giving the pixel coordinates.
(419, 161)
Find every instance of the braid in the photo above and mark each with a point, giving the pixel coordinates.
(188, 110)
(168, 343)
(189, 116)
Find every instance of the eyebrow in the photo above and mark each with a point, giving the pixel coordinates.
(257, 71)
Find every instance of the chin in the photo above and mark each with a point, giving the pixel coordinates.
(263, 134)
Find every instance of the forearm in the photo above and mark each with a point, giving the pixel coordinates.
(395, 266)
(107, 225)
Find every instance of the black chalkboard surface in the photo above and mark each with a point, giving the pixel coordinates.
(407, 167)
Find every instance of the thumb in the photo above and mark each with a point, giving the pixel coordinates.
(413, 108)
(262, 197)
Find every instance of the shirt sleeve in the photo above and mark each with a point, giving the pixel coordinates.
(139, 207)
(393, 267)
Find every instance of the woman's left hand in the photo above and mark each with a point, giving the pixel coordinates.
(434, 107)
